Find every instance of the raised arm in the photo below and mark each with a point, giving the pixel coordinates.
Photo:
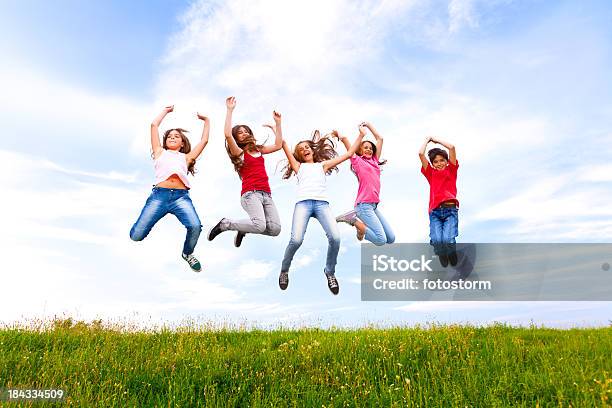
(235, 150)
(197, 149)
(452, 154)
(424, 161)
(155, 142)
(331, 163)
(378, 137)
(342, 138)
(295, 165)
(278, 133)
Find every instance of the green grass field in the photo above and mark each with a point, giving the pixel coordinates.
(438, 366)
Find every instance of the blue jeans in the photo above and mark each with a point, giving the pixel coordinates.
(443, 228)
(301, 215)
(378, 230)
(161, 202)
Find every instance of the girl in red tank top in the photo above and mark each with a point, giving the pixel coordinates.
(255, 197)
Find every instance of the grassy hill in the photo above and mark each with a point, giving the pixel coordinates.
(438, 366)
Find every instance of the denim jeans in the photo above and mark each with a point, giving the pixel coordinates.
(263, 215)
(378, 230)
(161, 202)
(301, 215)
(443, 228)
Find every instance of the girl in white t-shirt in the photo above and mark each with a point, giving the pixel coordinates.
(311, 161)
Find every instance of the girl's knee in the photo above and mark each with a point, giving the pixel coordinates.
(273, 229)
(195, 229)
(259, 225)
(296, 241)
(137, 234)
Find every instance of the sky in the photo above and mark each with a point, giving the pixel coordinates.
(522, 88)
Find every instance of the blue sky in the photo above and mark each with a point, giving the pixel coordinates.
(522, 88)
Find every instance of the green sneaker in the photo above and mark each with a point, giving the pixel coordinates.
(193, 262)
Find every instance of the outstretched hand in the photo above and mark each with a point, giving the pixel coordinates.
(230, 102)
(362, 129)
(169, 108)
(276, 116)
(202, 117)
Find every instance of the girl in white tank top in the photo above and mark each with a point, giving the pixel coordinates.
(311, 161)
(174, 159)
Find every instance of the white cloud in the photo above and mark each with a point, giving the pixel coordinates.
(253, 269)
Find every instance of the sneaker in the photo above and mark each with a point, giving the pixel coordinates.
(332, 284)
(443, 260)
(238, 238)
(349, 217)
(193, 262)
(216, 230)
(452, 258)
(283, 280)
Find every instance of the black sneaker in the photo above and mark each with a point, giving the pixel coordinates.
(443, 260)
(452, 258)
(216, 230)
(283, 280)
(332, 284)
(238, 238)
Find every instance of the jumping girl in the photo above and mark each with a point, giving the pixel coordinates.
(311, 161)
(255, 197)
(173, 158)
(367, 218)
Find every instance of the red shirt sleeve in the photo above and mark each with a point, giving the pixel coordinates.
(427, 172)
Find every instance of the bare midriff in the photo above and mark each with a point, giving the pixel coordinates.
(173, 181)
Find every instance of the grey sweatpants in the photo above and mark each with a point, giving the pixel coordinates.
(263, 215)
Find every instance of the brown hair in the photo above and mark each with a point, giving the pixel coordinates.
(186, 148)
(436, 151)
(249, 144)
(374, 152)
(323, 148)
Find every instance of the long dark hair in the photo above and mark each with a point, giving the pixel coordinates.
(374, 154)
(323, 148)
(249, 144)
(186, 148)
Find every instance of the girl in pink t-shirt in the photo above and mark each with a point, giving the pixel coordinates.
(367, 218)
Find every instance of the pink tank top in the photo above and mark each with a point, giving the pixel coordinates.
(171, 162)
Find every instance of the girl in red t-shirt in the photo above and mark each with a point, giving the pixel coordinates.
(248, 160)
(441, 173)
